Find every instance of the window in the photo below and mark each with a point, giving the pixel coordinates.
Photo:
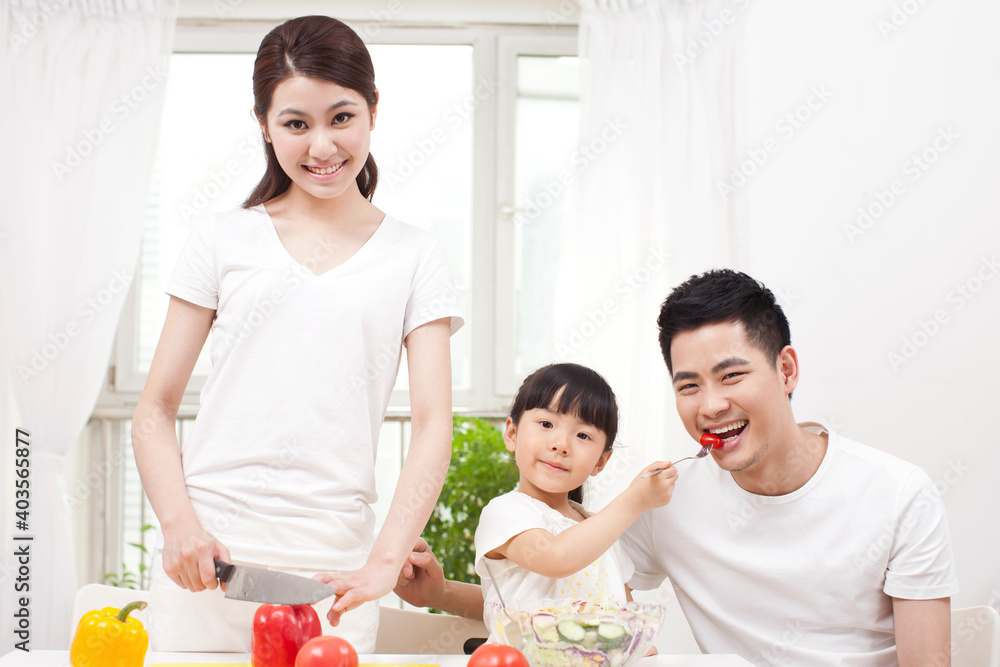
(474, 128)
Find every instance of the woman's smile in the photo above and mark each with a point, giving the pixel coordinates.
(325, 172)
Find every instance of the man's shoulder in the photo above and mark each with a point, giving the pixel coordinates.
(857, 453)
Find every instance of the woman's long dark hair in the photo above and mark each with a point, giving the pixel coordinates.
(322, 48)
(585, 394)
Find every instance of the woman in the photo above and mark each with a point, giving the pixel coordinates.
(310, 292)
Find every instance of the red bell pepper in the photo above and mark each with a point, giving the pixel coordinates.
(279, 631)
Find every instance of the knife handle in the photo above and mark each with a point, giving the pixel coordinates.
(223, 570)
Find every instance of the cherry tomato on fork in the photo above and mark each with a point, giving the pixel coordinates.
(497, 655)
(710, 439)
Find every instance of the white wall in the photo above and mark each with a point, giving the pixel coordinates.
(854, 298)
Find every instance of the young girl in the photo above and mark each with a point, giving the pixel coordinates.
(539, 540)
(307, 289)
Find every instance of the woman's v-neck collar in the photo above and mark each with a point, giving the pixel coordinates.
(365, 247)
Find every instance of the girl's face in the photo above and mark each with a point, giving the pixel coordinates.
(321, 134)
(555, 452)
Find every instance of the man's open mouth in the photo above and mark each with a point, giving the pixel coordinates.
(729, 432)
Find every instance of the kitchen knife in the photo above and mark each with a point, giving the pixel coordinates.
(258, 585)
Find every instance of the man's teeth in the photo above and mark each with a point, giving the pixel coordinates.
(727, 429)
(324, 170)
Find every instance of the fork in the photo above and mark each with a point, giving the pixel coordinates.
(503, 605)
(704, 452)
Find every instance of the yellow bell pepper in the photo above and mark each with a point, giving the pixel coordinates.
(109, 638)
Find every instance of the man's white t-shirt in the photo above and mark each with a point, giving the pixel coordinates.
(804, 578)
(513, 513)
(280, 464)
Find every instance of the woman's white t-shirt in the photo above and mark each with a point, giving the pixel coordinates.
(280, 464)
(513, 513)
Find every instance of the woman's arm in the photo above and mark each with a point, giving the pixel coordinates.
(428, 354)
(188, 549)
(575, 548)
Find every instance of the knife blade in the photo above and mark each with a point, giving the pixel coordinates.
(255, 584)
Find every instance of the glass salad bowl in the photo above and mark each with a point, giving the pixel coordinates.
(564, 633)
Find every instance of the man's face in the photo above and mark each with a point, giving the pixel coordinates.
(727, 386)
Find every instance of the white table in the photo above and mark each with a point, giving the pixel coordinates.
(61, 659)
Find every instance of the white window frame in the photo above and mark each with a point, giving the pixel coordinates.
(509, 48)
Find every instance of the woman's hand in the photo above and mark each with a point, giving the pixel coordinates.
(188, 553)
(356, 587)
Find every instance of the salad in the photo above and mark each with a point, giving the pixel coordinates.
(574, 632)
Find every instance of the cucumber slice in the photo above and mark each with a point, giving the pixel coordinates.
(611, 633)
(571, 632)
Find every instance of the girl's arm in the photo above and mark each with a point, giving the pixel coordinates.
(570, 551)
(187, 548)
(428, 355)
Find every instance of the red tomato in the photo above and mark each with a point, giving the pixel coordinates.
(497, 655)
(327, 652)
(710, 439)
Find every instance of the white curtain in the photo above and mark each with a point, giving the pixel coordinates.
(658, 131)
(81, 96)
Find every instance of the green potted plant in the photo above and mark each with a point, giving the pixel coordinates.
(481, 469)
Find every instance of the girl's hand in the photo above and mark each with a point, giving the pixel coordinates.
(356, 587)
(655, 490)
(188, 551)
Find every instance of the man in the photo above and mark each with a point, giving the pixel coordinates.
(799, 547)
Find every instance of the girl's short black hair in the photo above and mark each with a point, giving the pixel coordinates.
(582, 392)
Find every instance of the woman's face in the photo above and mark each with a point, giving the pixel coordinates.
(321, 134)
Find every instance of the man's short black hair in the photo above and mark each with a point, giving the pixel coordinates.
(724, 295)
